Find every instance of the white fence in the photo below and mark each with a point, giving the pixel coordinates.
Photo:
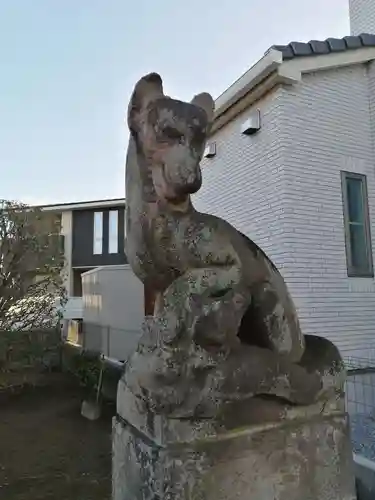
(114, 343)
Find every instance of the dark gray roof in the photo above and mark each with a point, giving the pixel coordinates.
(320, 47)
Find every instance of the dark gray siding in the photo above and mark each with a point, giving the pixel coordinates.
(83, 234)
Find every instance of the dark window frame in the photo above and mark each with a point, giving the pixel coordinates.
(368, 270)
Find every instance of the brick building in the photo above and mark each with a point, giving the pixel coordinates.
(291, 163)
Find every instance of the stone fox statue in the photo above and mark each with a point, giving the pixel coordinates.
(214, 285)
(170, 243)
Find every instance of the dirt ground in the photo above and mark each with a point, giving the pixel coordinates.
(48, 451)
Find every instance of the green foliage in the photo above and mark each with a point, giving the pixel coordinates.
(28, 348)
(26, 354)
(85, 366)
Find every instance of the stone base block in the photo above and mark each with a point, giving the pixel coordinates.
(307, 458)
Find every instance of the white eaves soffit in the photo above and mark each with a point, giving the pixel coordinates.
(251, 86)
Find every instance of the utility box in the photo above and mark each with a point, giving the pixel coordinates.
(113, 310)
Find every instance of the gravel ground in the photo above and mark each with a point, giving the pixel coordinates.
(363, 435)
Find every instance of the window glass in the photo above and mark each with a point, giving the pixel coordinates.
(357, 225)
(355, 200)
(113, 232)
(98, 233)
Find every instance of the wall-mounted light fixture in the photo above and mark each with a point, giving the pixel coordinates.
(210, 150)
(252, 124)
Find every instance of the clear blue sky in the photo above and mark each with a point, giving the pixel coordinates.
(67, 68)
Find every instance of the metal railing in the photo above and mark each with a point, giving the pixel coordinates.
(113, 343)
(360, 387)
(360, 405)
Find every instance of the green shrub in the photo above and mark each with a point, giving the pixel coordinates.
(85, 366)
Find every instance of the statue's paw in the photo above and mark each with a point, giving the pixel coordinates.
(252, 371)
(323, 357)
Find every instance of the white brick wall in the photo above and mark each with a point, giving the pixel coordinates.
(327, 128)
(362, 16)
(282, 188)
(243, 183)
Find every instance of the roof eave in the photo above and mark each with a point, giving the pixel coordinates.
(258, 72)
(252, 86)
(271, 71)
(65, 207)
(309, 64)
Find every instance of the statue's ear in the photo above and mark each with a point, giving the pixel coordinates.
(205, 102)
(147, 89)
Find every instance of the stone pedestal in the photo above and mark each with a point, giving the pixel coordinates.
(294, 454)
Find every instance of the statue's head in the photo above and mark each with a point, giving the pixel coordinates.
(171, 135)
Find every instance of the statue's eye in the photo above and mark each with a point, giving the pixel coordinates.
(172, 133)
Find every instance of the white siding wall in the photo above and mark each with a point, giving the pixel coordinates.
(243, 182)
(362, 16)
(327, 128)
(282, 188)
(113, 310)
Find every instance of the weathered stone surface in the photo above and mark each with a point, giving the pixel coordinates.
(195, 260)
(224, 326)
(224, 397)
(185, 380)
(300, 454)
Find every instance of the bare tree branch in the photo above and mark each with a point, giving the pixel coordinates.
(32, 292)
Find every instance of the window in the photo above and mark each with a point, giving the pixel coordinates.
(113, 232)
(357, 225)
(98, 233)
